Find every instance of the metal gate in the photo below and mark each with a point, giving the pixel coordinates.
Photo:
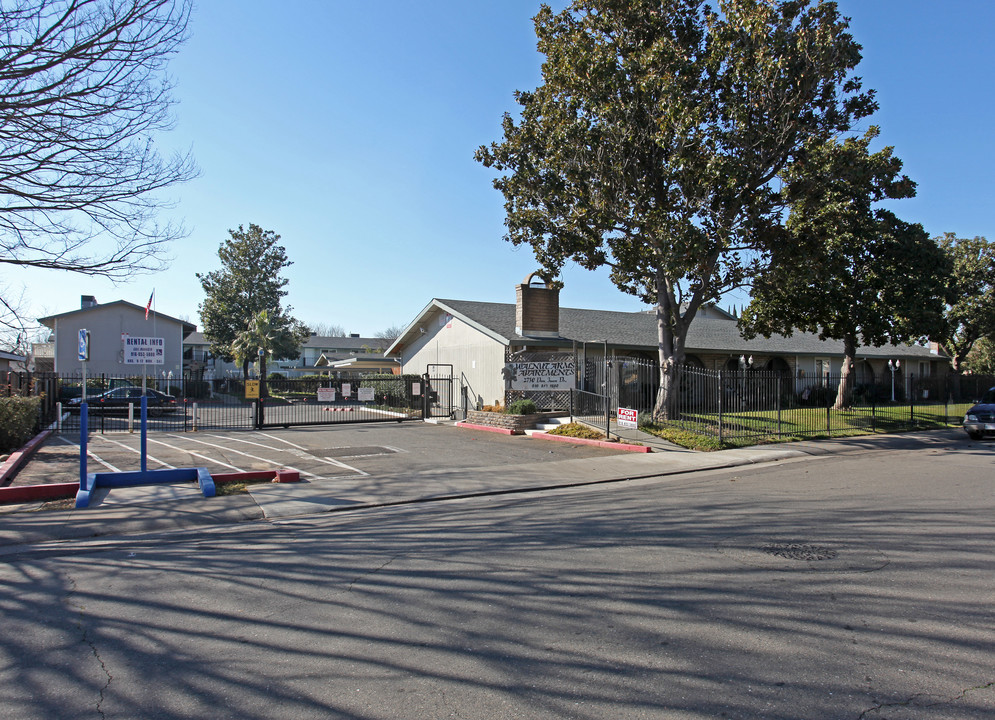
(379, 398)
(440, 391)
(221, 404)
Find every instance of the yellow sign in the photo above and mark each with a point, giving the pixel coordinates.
(251, 389)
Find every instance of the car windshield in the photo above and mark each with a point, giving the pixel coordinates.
(989, 397)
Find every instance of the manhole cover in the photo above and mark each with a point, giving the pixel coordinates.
(793, 555)
(344, 452)
(805, 552)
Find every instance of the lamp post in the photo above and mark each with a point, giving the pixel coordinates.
(893, 365)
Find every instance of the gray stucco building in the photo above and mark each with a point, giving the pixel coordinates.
(110, 326)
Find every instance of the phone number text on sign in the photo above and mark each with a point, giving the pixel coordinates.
(144, 350)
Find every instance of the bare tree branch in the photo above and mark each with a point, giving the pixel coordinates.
(83, 91)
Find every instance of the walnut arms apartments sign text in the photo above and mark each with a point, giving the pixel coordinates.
(541, 375)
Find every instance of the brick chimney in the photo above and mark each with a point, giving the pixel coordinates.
(537, 308)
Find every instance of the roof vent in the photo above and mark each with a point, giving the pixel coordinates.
(87, 301)
(537, 308)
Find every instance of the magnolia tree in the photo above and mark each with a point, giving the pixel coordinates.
(654, 144)
(248, 283)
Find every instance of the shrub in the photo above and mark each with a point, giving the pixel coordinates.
(276, 376)
(522, 407)
(18, 421)
(577, 430)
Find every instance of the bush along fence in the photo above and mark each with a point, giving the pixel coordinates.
(757, 405)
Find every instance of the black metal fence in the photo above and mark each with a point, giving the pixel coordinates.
(222, 403)
(734, 405)
(754, 405)
(592, 409)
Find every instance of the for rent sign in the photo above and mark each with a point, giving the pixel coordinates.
(144, 350)
(627, 418)
(541, 375)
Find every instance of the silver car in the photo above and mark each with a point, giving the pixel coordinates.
(980, 420)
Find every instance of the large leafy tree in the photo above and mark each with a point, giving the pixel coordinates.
(851, 270)
(970, 310)
(655, 140)
(248, 283)
(83, 93)
(981, 359)
(268, 335)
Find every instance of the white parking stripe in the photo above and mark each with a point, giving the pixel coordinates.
(137, 452)
(197, 454)
(303, 453)
(90, 454)
(254, 457)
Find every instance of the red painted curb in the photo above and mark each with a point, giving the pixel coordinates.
(27, 493)
(287, 476)
(487, 428)
(16, 459)
(282, 476)
(598, 443)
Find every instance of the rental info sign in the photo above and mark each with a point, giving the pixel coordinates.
(144, 350)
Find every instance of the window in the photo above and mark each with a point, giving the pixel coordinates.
(822, 368)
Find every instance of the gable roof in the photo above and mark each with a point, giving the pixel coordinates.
(48, 321)
(638, 331)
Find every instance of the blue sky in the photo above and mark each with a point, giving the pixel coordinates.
(349, 129)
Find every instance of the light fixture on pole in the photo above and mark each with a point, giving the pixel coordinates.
(893, 365)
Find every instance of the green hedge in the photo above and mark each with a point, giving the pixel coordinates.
(18, 421)
(525, 406)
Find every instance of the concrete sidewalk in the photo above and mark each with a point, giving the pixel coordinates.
(171, 507)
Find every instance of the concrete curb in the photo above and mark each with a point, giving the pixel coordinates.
(55, 491)
(597, 443)
(486, 428)
(17, 459)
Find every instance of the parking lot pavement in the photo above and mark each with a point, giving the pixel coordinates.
(318, 453)
(348, 467)
(341, 468)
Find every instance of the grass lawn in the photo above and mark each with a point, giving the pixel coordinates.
(701, 431)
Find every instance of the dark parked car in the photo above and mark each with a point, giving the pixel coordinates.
(118, 399)
(980, 420)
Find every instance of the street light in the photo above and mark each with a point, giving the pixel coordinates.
(893, 365)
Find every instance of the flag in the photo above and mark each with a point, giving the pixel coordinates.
(148, 305)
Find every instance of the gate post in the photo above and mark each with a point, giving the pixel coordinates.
(912, 401)
(721, 395)
(424, 397)
(829, 430)
(259, 413)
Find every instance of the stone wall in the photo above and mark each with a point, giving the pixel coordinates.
(516, 423)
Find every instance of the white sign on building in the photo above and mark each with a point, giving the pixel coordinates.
(541, 375)
(144, 350)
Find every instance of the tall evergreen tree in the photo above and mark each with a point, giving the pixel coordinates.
(248, 283)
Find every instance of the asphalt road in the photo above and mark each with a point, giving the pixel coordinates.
(858, 585)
